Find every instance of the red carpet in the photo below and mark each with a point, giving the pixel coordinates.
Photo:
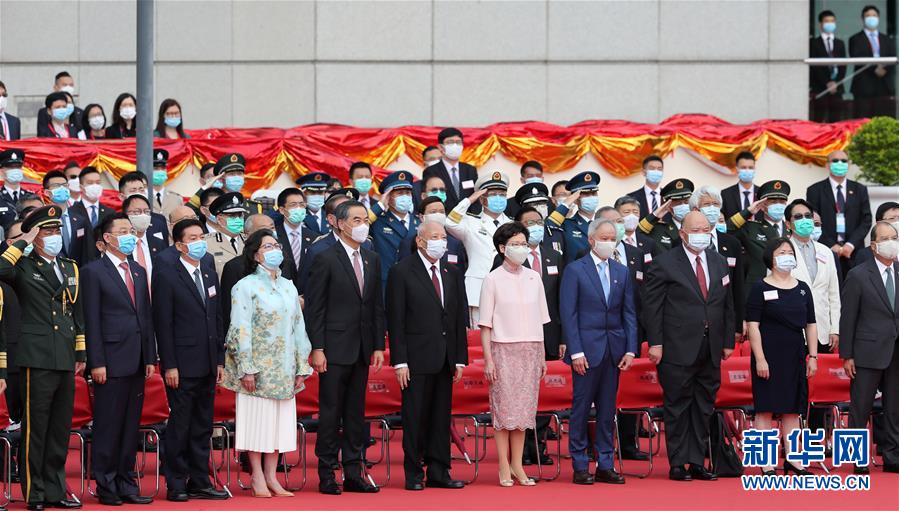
(654, 492)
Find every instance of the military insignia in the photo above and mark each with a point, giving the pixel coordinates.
(233, 158)
(401, 177)
(51, 212)
(778, 185)
(15, 156)
(802, 292)
(159, 156)
(679, 185)
(534, 191)
(234, 200)
(496, 175)
(318, 177)
(349, 194)
(588, 178)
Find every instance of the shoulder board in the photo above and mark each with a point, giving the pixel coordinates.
(66, 259)
(320, 237)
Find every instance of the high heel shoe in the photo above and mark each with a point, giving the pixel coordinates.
(266, 495)
(769, 472)
(789, 467)
(282, 493)
(505, 482)
(526, 481)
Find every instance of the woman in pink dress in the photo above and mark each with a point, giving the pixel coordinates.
(513, 311)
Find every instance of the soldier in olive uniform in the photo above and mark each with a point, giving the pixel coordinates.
(50, 352)
(754, 234)
(227, 242)
(663, 224)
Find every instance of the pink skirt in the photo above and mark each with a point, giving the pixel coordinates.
(513, 396)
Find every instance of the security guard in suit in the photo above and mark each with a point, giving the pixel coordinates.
(51, 351)
(663, 224)
(754, 234)
(164, 201)
(397, 223)
(226, 243)
(585, 186)
(536, 195)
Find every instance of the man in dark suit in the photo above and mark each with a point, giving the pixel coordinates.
(873, 89)
(345, 322)
(77, 234)
(121, 353)
(649, 196)
(433, 209)
(888, 212)
(65, 83)
(12, 330)
(742, 194)
(531, 172)
(600, 324)
(426, 319)
(869, 331)
(135, 183)
(10, 127)
(89, 205)
(458, 177)
(844, 208)
(294, 236)
(149, 244)
(829, 107)
(688, 313)
(192, 355)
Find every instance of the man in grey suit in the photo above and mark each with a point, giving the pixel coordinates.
(688, 312)
(869, 330)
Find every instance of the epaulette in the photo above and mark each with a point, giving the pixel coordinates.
(320, 237)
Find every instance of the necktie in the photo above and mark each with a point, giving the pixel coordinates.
(496, 223)
(616, 255)
(700, 276)
(655, 202)
(875, 43)
(129, 282)
(15, 196)
(630, 241)
(746, 203)
(357, 267)
(233, 245)
(604, 279)
(199, 283)
(141, 260)
(66, 232)
(93, 216)
(891, 287)
(57, 270)
(454, 175)
(436, 282)
(3, 129)
(159, 199)
(536, 264)
(841, 199)
(295, 247)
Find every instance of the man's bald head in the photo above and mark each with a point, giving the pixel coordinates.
(258, 222)
(695, 221)
(181, 213)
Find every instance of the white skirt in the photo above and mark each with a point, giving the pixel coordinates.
(265, 425)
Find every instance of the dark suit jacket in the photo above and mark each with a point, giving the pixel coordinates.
(466, 173)
(732, 198)
(424, 333)
(290, 267)
(15, 127)
(869, 327)
(82, 247)
(158, 223)
(116, 131)
(867, 84)
(318, 246)
(732, 251)
(119, 335)
(189, 327)
(46, 131)
(455, 252)
(640, 195)
(818, 76)
(858, 211)
(346, 323)
(43, 117)
(81, 209)
(675, 314)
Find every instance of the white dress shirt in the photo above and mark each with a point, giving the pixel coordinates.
(649, 191)
(191, 269)
(705, 264)
(56, 270)
(116, 262)
(144, 246)
(881, 269)
(742, 188)
(349, 253)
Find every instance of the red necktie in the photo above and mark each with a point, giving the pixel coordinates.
(700, 276)
(129, 282)
(536, 264)
(436, 282)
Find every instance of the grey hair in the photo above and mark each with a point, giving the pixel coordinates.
(627, 199)
(596, 224)
(423, 226)
(707, 190)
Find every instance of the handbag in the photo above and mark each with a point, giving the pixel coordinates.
(725, 460)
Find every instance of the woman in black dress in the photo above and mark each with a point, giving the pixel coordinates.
(779, 311)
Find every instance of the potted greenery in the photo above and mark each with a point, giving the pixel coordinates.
(875, 149)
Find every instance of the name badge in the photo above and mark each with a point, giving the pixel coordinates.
(647, 258)
(557, 246)
(770, 295)
(731, 261)
(79, 233)
(638, 275)
(552, 270)
(841, 223)
(725, 280)
(452, 258)
(211, 292)
(4, 210)
(468, 184)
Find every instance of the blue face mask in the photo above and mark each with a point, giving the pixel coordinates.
(60, 114)
(711, 213)
(839, 168)
(53, 244)
(127, 242)
(234, 183)
(680, 211)
(172, 122)
(496, 203)
(211, 219)
(28, 249)
(785, 262)
(60, 195)
(363, 184)
(217, 184)
(535, 234)
(746, 175)
(70, 108)
(721, 227)
(315, 202)
(15, 175)
(440, 194)
(273, 259)
(196, 250)
(619, 232)
(533, 180)
(871, 22)
(776, 211)
(296, 215)
(829, 27)
(159, 177)
(590, 203)
(654, 176)
(816, 232)
(403, 204)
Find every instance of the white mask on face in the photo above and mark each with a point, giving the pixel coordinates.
(68, 88)
(360, 233)
(93, 192)
(543, 209)
(97, 122)
(439, 218)
(128, 112)
(630, 221)
(3, 101)
(140, 222)
(436, 248)
(453, 151)
(517, 254)
(74, 185)
(888, 249)
(604, 249)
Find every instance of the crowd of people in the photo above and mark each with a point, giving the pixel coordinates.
(215, 289)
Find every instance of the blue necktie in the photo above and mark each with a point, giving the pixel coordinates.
(604, 279)
(66, 233)
(875, 43)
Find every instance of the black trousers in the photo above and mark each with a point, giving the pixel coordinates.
(828, 108)
(689, 400)
(187, 433)
(427, 407)
(874, 106)
(117, 409)
(541, 423)
(14, 402)
(48, 397)
(861, 397)
(341, 395)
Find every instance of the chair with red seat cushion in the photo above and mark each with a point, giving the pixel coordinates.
(82, 415)
(7, 452)
(639, 393)
(152, 423)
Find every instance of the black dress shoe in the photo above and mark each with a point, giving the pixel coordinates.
(679, 474)
(110, 501)
(208, 494)
(415, 486)
(527, 461)
(136, 499)
(891, 467)
(608, 476)
(39, 506)
(699, 472)
(329, 487)
(450, 484)
(861, 470)
(64, 504)
(789, 467)
(176, 496)
(635, 455)
(582, 477)
(546, 459)
(354, 485)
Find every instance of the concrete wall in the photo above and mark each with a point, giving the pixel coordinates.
(386, 63)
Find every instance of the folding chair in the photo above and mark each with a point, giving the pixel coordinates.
(152, 424)
(383, 399)
(555, 401)
(639, 393)
(7, 452)
(829, 390)
(471, 403)
(222, 421)
(82, 415)
(735, 393)
(307, 407)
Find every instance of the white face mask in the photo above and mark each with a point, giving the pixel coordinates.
(543, 209)
(604, 249)
(439, 218)
(517, 254)
(630, 222)
(453, 151)
(360, 233)
(888, 249)
(74, 185)
(3, 101)
(93, 192)
(699, 241)
(128, 112)
(68, 88)
(436, 248)
(140, 222)
(429, 163)
(97, 122)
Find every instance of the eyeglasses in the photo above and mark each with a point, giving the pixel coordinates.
(270, 246)
(800, 216)
(533, 222)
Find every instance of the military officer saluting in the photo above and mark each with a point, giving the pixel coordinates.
(50, 352)
(226, 242)
(476, 232)
(663, 224)
(399, 222)
(584, 189)
(754, 234)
